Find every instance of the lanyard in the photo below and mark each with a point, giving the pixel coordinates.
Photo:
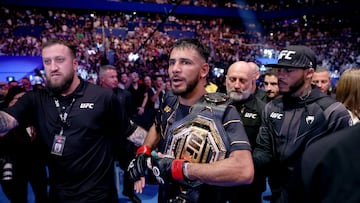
(63, 114)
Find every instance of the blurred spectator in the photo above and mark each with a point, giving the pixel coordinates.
(3, 91)
(37, 87)
(167, 85)
(139, 97)
(26, 84)
(124, 81)
(12, 83)
(271, 84)
(348, 92)
(321, 78)
(155, 94)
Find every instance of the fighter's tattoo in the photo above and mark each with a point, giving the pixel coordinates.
(138, 136)
(7, 122)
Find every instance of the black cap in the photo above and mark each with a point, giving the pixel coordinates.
(295, 56)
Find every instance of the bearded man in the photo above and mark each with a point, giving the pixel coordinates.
(240, 82)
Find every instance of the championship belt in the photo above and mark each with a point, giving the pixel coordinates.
(200, 137)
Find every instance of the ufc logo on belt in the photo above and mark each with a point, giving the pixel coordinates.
(286, 54)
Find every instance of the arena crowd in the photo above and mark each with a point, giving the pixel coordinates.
(131, 50)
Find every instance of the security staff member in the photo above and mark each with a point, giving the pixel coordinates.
(80, 123)
(239, 85)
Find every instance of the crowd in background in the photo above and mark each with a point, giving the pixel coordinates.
(333, 38)
(141, 54)
(250, 4)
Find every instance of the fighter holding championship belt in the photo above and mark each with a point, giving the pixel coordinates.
(201, 142)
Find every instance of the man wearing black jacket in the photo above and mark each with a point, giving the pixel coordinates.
(302, 115)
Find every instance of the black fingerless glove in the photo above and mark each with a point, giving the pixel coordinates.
(138, 165)
(168, 169)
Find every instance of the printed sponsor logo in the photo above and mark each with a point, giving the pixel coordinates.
(309, 119)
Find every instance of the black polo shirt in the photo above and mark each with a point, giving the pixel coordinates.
(84, 173)
(250, 111)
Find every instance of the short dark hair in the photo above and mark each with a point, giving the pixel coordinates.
(193, 43)
(270, 72)
(12, 92)
(60, 41)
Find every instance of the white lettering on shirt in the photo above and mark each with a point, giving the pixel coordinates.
(87, 106)
(276, 115)
(250, 115)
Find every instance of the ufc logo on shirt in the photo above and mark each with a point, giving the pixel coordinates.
(250, 115)
(276, 115)
(87, 106)
(286, 54)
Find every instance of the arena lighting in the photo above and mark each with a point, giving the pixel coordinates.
(218, 72)
(133, 57)
(249, 18)
(10, 78)
(268, 53)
